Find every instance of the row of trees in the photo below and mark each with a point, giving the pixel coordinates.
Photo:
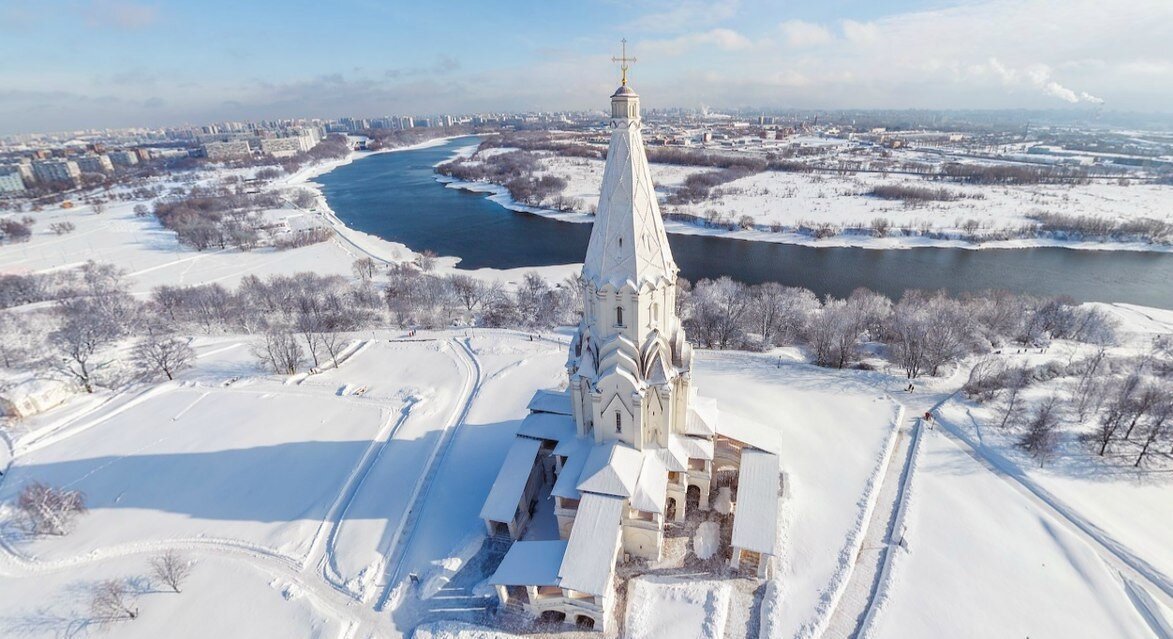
(1124, 403)
(921, 332)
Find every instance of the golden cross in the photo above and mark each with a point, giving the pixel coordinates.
(623, 60)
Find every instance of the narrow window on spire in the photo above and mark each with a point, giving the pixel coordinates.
(619, 316)
(618, 422)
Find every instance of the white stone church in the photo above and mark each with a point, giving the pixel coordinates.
(628, 446)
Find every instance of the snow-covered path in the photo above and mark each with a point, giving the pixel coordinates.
(857, 596)
(392, 574)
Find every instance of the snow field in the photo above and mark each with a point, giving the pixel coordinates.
(836, 433)
(260, 465)
(424, 377)
(1129, 505)
(984, 561)
(672, 608)
(152, 255)
(222, 598)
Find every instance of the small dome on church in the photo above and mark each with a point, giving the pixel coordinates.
(624, 90)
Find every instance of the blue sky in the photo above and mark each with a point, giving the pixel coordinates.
(68, 64)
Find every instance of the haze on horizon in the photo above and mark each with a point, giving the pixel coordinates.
(73, 64)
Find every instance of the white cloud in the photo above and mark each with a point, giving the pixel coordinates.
(861, 32)
(725, 39)
(799, 34)
(686, 15)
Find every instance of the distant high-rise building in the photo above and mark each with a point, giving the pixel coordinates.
(10, 180)
(227, 150)
(124, 158)
(94, 164)
(48, 171)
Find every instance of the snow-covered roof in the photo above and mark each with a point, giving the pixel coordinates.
(26, 394)
(651, 490)
(750, 432)
(548, 426)
(702, 417)
(593, 544)
(501, 504)
(566, 486)
(551, 401)
(696, 447)
(755, 524)
(611, 469)
(567, 447)
(530, 563)
(675, 457)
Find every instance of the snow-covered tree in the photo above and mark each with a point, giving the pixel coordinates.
(1042, 432)
(48, 510)
(160, 352)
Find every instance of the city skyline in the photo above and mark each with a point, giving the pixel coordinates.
(118, 63)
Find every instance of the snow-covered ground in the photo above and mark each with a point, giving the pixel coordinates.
(836, 431)
(669, 608)
(307, 502)
(983, 561)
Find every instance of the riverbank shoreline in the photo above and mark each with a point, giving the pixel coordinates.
(390, 252)
(402, 198)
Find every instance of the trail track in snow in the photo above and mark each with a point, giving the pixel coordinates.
(403, 536)
(315, 574)
(1131, 566)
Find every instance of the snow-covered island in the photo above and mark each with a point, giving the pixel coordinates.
(211, 433)
(845, 191)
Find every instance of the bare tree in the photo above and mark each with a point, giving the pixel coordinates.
(159, 352)
(364, 268)
(1042, 432)
(14, 345)
(779, 312)
(111, 600)
(85, 330)
(281, 351)
(1157, 428)
(172, 569)
(426, 261)
(718, 314)
(470, 291)
(48, 510)
(1016, 379)
(1148, 396)
(1118, 413)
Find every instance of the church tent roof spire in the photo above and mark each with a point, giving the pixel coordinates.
(628, 243)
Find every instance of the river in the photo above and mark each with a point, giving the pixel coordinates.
(396, 196)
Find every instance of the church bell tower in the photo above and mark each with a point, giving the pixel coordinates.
(629, 363)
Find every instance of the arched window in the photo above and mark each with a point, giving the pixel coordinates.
(655, 312)
(619, 316)
(618, 422)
